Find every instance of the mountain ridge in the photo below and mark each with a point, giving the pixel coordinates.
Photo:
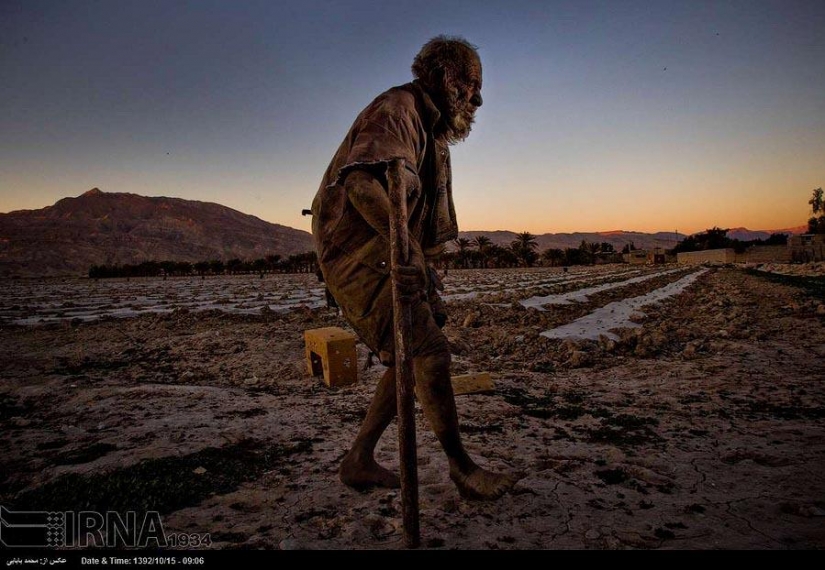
(97, 228)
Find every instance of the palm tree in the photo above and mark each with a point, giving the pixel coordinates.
(482, 244)
(524, 246)
(234, 265)
(503, 256)
(816, 224)
(259, 266)
(217, 266)
(526, 240)
(588, 252)
(202, 267)
(463, 245)
(553, 256)
(272, 261)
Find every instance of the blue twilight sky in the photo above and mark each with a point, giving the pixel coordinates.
(607, 115)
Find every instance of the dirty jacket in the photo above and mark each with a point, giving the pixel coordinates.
(354, 257)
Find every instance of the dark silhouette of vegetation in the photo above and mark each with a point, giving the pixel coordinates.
(816, 224)
(216, 266)
(299, 263)
(485, 255)
(525, 246)
(481, 252)
(483, 244)
(774, 239)
(503, 256)
(202, 267)
(716, 238)
(576, 256)
(463, 253)
(554, 257)
(588, 253)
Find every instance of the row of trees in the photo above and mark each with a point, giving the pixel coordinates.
(299, 263)
(480, 252)
(523, 251)
(717, 238)
(588, 253)
(816, 223)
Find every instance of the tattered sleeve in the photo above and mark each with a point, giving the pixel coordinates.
(383, 133)
(386, 132)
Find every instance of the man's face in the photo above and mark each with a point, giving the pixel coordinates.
(463, 97)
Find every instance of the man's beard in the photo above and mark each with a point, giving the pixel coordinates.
(459, 118)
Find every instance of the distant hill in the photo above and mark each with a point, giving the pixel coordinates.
(745, 234)
(106, 228)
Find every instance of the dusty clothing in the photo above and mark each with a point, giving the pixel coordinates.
(350, 227)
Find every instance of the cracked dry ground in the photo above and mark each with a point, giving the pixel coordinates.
(703, 428)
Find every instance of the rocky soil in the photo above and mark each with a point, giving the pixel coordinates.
(704, 427)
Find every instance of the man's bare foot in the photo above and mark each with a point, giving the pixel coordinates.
(361, 474)
(480, 484)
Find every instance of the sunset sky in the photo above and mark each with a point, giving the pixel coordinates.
(597, 116)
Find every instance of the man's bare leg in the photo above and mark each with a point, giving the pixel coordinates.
(359, 468)
(435, 392)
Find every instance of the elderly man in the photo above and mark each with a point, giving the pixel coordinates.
(416, 122)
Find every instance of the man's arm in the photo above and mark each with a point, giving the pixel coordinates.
(369, 197)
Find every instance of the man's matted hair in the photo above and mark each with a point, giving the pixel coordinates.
(441, 54)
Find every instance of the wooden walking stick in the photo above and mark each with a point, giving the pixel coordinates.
(404, 383)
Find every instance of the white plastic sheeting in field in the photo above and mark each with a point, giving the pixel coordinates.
(617, 314)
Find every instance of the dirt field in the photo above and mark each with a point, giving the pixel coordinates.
(700, 425)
